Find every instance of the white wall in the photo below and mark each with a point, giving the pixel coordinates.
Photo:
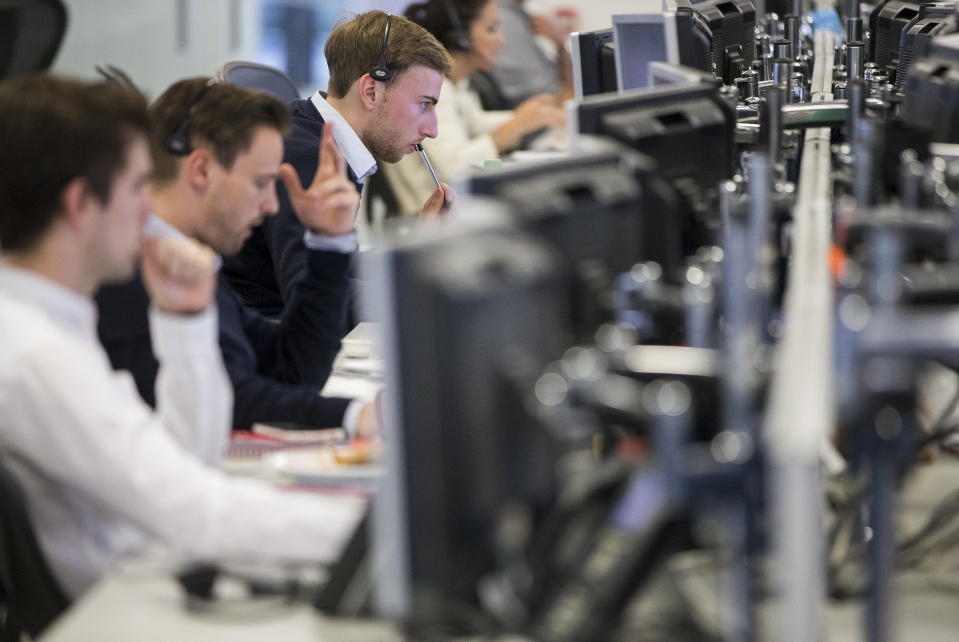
(142, 38)
(597, 14)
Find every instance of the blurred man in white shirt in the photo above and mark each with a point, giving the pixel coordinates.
(103, 475)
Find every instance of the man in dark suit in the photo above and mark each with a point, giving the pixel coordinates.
(385, 78)
(217, 157)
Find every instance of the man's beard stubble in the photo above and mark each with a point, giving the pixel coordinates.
(381, 139)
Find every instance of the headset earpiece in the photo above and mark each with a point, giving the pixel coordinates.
(382, 71)
(178, 143)
(458, 37)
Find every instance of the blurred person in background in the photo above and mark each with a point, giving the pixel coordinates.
(534, 59)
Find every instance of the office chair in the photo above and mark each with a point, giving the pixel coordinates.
(490, 95)
(28, 590)
(255, 76)
(30, 35)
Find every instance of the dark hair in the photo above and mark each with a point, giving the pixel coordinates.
(222, 117)
(354, 48)
(434, 16)
(55, 130)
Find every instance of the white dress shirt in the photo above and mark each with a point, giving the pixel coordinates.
(357, 156)
(361, 163)
(462, 142)
(104, 476)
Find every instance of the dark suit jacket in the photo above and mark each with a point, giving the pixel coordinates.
(271, 261)
(277, 367)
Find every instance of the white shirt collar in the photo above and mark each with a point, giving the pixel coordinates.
(63, 305)
(359, 158)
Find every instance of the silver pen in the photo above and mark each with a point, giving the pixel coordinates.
(429, 167)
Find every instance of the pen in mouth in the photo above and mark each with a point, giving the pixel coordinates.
(429, 167)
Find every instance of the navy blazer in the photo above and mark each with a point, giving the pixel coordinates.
(265, 271)
(277, 367)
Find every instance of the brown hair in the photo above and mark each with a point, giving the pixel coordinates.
(220, 116)
(437, 17)
(355, 46)
(55, 130)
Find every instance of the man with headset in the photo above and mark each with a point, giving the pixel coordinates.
(385, 78)
(217, 152)
(104, 476)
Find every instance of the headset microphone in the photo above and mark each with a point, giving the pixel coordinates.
(178, 143)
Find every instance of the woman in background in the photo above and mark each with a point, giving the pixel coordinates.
(468, 134)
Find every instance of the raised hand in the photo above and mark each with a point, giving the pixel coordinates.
(179, 274)
(328, 206)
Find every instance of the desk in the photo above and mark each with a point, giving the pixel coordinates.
(142, 606)
(137, 602)
(124, 607)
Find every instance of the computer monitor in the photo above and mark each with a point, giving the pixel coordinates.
(934, 19)
(932, 91)
(731, 24)
(642, 38)
(687, 129)
(693, 37)
(470, 317)
(593, 57)
(887, 20)
(603, 210)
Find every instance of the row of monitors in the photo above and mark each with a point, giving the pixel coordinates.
(471, 317)
(715, 36)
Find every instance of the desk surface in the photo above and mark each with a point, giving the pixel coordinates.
(125, 607)
(137, 604)
(150, 606)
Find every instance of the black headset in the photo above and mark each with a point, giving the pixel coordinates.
(458, 37)
(178, 143)
(381, 71)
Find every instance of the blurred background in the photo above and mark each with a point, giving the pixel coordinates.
(160, 41)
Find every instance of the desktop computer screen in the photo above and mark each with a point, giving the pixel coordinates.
(603, 210)
(470, 319)
(729, 23)
(687, 129)
(593, 56)
(642, 38)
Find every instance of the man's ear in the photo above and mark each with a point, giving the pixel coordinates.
(371, 92)
(196, 166)
(77, 202)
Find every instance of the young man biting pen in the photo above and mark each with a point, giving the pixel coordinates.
(385, 77)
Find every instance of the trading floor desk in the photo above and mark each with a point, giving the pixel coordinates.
(137, 603)
(126, 606)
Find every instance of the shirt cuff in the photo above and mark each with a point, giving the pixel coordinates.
(183, 335)
(351, 418)
(344, 243)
